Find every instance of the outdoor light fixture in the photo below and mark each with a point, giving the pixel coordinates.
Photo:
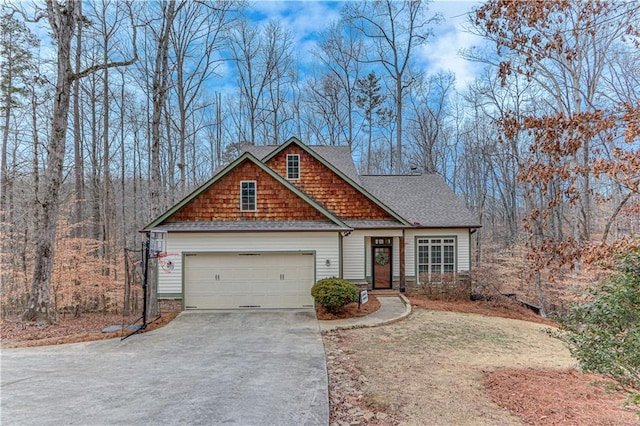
(327, 262)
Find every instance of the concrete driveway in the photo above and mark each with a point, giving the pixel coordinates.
(243, 368)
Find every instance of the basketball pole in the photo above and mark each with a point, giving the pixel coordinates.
(145, 277)
(156, 241)
(145, 283)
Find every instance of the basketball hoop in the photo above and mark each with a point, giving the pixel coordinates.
(157, 243)
(165, 262)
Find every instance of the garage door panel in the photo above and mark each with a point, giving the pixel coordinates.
(230, 281)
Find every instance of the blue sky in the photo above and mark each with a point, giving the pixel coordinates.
(304, 19)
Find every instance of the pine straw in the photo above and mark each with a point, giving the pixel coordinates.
(502, 307)
(557, 397)
(350, 311)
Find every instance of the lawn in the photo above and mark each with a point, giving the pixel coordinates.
(452, 368)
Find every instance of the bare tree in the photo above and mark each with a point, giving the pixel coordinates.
(565, 48)
(62, 18)
(16, 42)
(195, 38)
(253, 76)
(278, 51)
(340, 52)
(427, 128)
(263, 61)
(395, 29)
(160, 87)
(323, 102)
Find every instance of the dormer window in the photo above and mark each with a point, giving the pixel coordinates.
(248, 196)
(293, 166)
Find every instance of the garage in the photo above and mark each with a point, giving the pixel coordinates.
(248, 280)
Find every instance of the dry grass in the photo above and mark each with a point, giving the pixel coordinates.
(430, 368)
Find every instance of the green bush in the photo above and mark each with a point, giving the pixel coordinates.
(604, 334)
(334, 293)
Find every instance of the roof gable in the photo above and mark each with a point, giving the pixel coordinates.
(337, 155)
(206, 203)
(334, 189)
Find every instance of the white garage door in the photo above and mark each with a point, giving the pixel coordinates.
(240, 280)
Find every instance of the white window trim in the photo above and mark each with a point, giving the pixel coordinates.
(287, 166)
(255, 195)
(430, 238)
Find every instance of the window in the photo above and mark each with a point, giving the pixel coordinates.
(436, 256)
(248, 196)
(293, 166)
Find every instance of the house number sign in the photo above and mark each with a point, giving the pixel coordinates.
(382, 241)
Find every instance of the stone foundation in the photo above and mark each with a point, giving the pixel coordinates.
(447, 287)
(170, 305)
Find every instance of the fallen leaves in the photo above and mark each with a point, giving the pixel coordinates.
(348, 401)
(88, 327)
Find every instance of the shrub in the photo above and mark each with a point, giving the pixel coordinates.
(604, 334)
(334, 293)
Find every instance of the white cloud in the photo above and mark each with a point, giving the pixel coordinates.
(303, 19)
(442, 52)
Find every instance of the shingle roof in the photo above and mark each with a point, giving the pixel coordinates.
(251, 225)
(424, 200)
(340, 157)
(374, 224)
(258, 151)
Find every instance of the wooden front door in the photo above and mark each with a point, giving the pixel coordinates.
(382, 261)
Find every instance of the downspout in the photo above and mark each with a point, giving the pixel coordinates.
(340, 255)
(402, 264)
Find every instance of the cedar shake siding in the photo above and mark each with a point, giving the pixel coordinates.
(327, 188)
(221, 201)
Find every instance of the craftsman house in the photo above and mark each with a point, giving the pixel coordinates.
(277, 219)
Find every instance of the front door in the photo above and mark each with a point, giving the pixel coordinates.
(382, 260)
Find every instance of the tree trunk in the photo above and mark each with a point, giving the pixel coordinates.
(63, 23)
(160, 86)
(106, 180)
(62, 17)
(78, 214)
(398, 124)
(4, 173)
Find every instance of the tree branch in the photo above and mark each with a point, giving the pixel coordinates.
(116, 64)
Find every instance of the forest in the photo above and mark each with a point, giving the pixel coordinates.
(114, 110)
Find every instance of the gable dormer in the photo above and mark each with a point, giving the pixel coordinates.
(325, 183)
